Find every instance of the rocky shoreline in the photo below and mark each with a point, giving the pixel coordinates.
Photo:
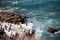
(11, 17)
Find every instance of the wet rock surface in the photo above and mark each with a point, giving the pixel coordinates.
(32, 37)
(12, 17)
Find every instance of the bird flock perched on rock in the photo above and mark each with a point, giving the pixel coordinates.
(11, 29)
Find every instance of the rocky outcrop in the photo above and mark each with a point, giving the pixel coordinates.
(17, 38)
(50, 29)
(12, 17)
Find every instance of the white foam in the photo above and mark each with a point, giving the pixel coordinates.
(8, 7)
(52, 35)
(14, 2)
(9, 10)
(23, 9)
(39, 32)
(30, 13)
(52, 13)
(49, 21)
(0, 10)
(17, 8)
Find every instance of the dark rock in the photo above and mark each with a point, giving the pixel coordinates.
(12, 17)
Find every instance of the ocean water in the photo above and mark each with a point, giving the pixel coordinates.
(44, 13)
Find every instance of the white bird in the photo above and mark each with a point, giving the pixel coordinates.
(10, 33)
(27, 27)
(30, 24)
(14, 2)
(13, 33)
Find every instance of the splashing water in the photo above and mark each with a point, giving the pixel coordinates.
(44, 13)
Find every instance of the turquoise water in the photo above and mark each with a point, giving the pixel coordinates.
(44, 13)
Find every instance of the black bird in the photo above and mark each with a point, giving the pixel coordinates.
(2, 31)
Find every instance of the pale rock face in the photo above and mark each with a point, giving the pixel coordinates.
(0, 22)
(15, 28)
(30, 24)
(3, 25)
(12, 25)
(23, 25)
(0, 10)
(18, 26)
(13, 32)
(7, 25)
(27, 27)
(8, 33)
